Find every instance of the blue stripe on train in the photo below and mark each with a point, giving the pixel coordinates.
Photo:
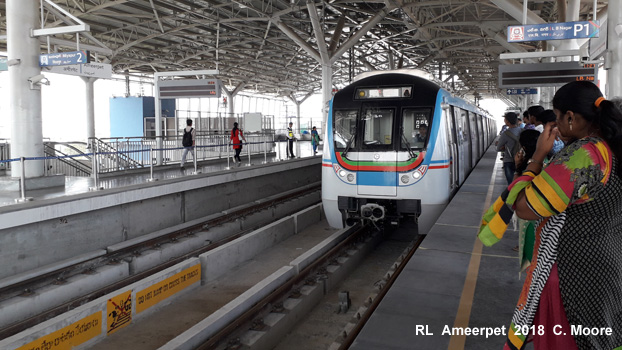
(373, 178)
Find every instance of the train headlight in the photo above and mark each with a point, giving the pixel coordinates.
(416, 175)
(405, 179)
(342, 173)
(350, 177)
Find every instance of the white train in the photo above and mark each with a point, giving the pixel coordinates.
(397, 147)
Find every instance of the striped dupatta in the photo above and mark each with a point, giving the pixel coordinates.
(495, 221)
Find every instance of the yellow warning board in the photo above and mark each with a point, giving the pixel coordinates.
(69, 337)
(155, 293)
(119, 311)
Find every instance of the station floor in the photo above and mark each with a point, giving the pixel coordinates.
(452, 280)
(76, 185)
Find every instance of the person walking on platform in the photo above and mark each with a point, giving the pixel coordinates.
(188, 142)
(315, 139)
(572, 295)
(290, 140)
(237, 144)
(508, 144)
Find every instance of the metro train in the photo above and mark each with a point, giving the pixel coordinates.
(397, 147)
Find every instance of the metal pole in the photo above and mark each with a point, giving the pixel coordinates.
(151, 179)
(297, 149)
(95, 170)
(249, 154)
(22, 182)
(265, 152)
(195, 152)
(228, 158)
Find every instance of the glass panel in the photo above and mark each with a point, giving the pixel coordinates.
(378, 127)
(416, 124)
(344, 128)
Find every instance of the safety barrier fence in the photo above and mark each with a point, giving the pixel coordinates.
(100, 159)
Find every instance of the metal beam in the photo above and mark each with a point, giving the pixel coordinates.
(355, 38)
(298, 40)
(317, 30)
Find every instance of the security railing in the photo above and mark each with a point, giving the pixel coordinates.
(65, 158)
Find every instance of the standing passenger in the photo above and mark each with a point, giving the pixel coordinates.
(237, 144)
(187, 142)
(508, 144)
(315, 139)
(290, 139)
(576, 274)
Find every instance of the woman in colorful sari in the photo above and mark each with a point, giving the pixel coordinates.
(572, 296)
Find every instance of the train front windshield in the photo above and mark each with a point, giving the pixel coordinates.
(378, 129)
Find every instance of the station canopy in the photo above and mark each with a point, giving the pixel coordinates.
(271, 47)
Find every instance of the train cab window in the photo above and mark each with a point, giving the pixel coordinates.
(345, 128)
(416, 125)
(378, 126)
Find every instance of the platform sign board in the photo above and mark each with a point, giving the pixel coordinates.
(94, 70)
(63, 58)
(3, 64)
(553, 31)
(545, 74)
(188, 88)
(522, 91)
(70, 336)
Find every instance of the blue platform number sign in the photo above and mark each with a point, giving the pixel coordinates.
(63, 58)
(521, 91)
(554, 31)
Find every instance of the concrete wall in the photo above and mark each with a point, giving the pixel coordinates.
(47, 231)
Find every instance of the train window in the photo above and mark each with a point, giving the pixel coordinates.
(415, 126)
(378, 127)
(345, 128)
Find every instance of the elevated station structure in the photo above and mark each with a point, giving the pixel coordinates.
(290, 48)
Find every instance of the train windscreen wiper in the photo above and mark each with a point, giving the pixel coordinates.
(410, 151)
(348, 145)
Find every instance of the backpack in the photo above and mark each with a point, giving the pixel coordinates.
(516, 146)
(187, 140)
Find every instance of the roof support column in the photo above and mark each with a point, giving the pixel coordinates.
(614, 22)
(24, 97)
(90, 107)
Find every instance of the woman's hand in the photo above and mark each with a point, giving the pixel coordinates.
(545, 142)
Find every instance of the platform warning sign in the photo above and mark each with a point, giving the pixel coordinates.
(119, 311)
(155, 293)
(69, 337)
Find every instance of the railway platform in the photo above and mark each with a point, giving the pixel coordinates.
(452, 281)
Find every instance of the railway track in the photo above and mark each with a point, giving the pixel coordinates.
(245, 218)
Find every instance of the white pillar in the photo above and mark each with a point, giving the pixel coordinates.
(298, 117)
(327, 89)
(25, 103)
(90, 107)
(614, 83)
(158, 120)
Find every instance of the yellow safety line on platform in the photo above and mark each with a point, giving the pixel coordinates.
(470, 253)
(456, 342)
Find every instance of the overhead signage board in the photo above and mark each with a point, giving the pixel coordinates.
(63, 58)
(522, 91)
(3, 64)
(553, 31)
(545, 74)
(93, 70)
(188, 88)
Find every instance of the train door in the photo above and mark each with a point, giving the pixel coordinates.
(480, 127)
(462, 137)
(377, 152)
(474, 137)
(485, 121)
(448, 115)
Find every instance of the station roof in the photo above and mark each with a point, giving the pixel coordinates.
(271, 46)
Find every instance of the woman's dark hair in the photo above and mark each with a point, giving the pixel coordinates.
(528, 140)
(235, 126)
(580, 97)
(546, 116)
(189, 122)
